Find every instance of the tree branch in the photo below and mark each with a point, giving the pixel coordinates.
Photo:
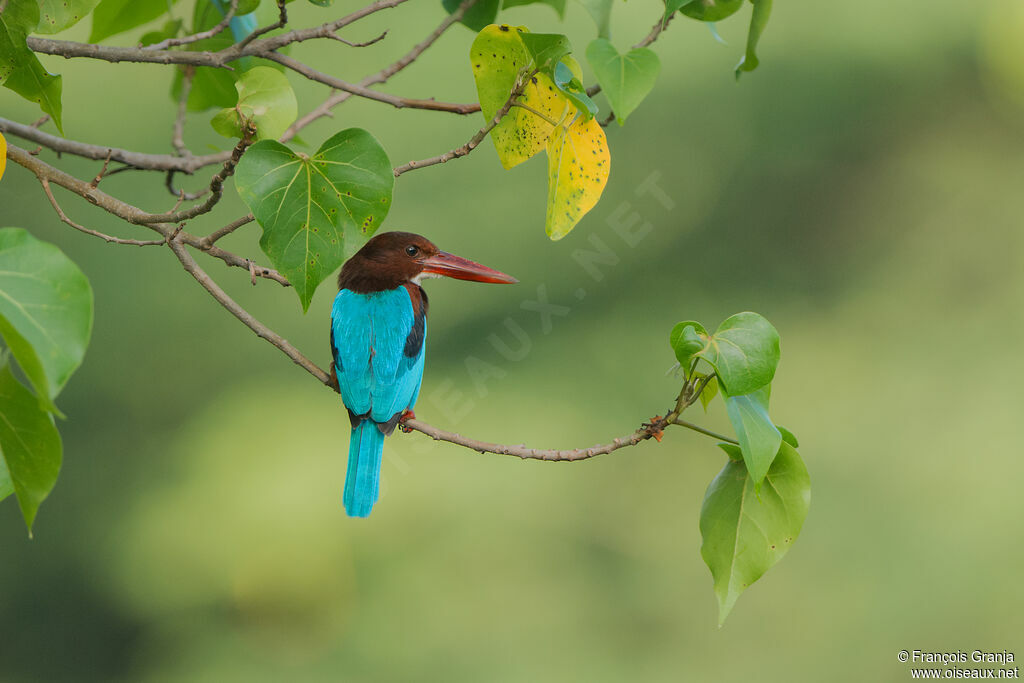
(170, 225)
(282, 19)
(261, 330)
(255, 48)
(216, 184)
(151, 162)
(132, 214)
(520, 451)
(227, 229)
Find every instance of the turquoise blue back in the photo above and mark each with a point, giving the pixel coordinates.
(376, 378)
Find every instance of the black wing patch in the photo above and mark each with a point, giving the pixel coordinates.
(414, 342)
(334, 353)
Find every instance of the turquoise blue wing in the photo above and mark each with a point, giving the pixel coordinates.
(369, 334)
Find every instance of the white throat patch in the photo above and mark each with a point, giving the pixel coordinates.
(418, 280)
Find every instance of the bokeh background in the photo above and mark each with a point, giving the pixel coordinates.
(863, 190)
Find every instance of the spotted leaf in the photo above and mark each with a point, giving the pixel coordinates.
(499, 58)
(309, 206)
(578, 166)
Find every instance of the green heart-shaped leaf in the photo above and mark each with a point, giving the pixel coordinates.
(625, 79)
(309, 206)
(265, 97)
(744, 351)
(29, 446)
(745, 533)
(45, 311)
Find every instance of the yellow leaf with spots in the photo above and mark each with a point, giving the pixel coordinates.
(498, 58)
(3, 155)
(578, 166)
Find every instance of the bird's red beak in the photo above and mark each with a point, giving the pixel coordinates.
(460, 268)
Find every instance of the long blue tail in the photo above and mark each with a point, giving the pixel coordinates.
(362, 479)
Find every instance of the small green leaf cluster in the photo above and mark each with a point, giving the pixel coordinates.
(755, 507)
(45, 321)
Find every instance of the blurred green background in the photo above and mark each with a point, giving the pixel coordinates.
(862, 189)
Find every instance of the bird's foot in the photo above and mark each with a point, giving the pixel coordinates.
(407, 415)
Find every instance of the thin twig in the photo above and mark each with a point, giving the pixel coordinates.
(356, 89)
(127, 212)
(196, 37)
(187, 196)
(227, 229)
(366, 43)
(656, 31)
(381, 76)
(89, 231)
(473, 141)
(234, 259)
(216, 185)
(103, 171)
(523, 452)
(282, 19)
(533, 111)
(178, 137)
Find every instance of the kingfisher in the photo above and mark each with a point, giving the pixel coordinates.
(378, 336)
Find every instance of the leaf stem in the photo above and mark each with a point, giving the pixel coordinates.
(707, 432)
(536, 113)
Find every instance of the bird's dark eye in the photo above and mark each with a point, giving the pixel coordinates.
(412, 250)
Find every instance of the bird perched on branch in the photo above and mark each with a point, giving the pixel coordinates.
(378, 334)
